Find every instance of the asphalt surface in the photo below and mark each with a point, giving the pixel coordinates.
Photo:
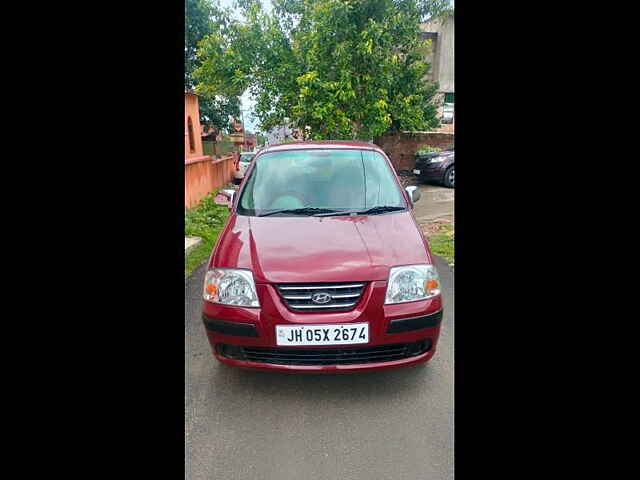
(242, 424)
(435, 202)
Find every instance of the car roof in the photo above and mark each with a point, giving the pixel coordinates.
(351, 144)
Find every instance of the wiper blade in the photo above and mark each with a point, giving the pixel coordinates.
(299, 211)
(369, 211)
(382, 209)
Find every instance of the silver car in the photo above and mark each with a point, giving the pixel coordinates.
(447, 113)
(245, 161)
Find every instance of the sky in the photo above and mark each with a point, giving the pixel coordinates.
(246, 105)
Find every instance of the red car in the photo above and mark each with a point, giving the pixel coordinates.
(321, 266)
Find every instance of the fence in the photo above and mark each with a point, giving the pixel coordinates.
(203, 175)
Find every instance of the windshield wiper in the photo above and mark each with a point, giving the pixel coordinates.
(369, 211)
(300, 211)
(380, 209)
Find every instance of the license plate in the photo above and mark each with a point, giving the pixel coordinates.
(344, 334)
(417, 172)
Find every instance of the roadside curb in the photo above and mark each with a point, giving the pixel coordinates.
(190, 243)
(187, 278)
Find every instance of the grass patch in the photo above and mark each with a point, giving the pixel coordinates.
(206, 221)
(442, 242)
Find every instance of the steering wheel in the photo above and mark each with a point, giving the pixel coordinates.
(288, 199)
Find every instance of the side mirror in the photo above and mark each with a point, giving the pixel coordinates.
(225, 197)
(414, 194)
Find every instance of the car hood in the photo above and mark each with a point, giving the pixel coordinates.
(446, 155)
(320, 249)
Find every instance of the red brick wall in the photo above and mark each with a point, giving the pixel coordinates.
(401, 147)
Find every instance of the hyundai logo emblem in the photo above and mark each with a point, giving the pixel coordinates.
(321, 298)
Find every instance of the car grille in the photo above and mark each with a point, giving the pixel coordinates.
(333, 356)
(298, 296)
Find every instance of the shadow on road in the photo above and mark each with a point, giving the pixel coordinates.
(360, 387)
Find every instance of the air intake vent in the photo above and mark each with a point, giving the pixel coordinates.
(335, 356)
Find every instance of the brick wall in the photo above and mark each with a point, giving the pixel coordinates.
(401, 147)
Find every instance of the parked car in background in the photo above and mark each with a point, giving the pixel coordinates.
(437, 167)
(245, 160)
(321, 266)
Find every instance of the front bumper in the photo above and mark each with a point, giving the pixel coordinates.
(389, 325)
(431, 171)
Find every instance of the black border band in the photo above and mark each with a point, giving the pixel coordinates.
(415, 323)
(230, 328)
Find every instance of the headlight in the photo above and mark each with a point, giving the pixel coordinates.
(412, 282)
(437, 159)
(230, 287)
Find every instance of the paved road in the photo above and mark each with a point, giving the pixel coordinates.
(379, 425)
(435, 203)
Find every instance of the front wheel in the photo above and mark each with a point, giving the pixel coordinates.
(449, 177)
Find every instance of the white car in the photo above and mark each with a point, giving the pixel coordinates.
(447, 113)
(245, 161)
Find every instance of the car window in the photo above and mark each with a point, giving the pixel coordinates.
(330, 179)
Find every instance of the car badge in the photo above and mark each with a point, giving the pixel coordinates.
(321, 298)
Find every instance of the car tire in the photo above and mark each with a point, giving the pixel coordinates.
(449, 177)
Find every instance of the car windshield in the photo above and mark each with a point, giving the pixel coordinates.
(320, 181)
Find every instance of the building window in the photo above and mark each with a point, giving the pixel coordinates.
(449, 97)
(192, 142)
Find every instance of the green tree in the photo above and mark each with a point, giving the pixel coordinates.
(215, 111)
(196, 27)
(345, 68)
(431, 9)
(202, 17)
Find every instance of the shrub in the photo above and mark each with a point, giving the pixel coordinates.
(205, 219)
(424, 149)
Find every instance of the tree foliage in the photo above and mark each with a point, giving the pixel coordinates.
(202, 17)
(216, 110)
(431, 9)
(196, 27)
(345, 68)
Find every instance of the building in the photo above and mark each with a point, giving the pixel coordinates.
(279, 134)
(202, 173)
(250, 142)
(192, 129)
(441, 32)
(209, 133)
